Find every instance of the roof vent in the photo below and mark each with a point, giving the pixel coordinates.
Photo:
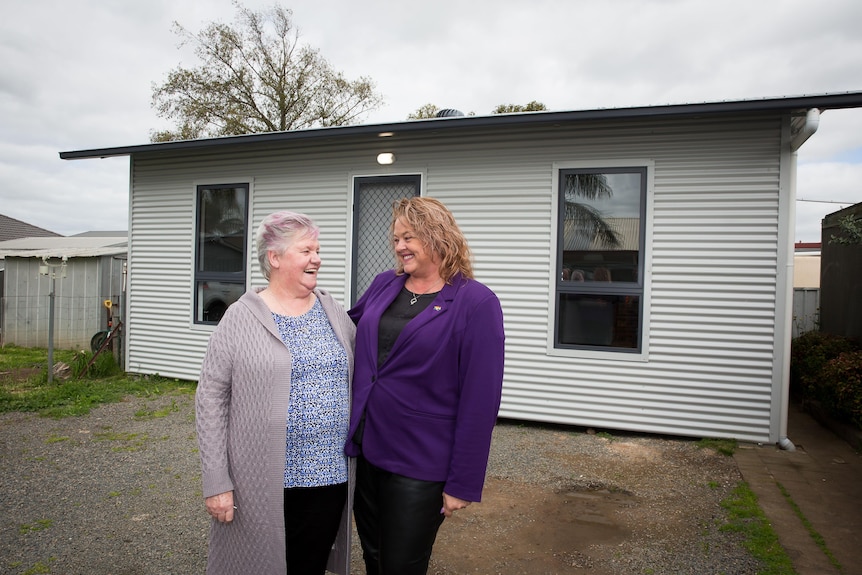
(449, 113)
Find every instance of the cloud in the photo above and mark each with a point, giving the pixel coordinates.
(824, 188)
(78, 75)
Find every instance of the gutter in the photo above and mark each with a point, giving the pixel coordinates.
(801, 134)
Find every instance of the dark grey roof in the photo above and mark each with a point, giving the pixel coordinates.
(12, 229)
(784, 104)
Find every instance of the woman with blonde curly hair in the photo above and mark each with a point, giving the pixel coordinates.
(426, 389)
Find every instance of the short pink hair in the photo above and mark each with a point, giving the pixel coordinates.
(278, 231)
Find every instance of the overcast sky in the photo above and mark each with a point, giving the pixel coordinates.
(78, 74)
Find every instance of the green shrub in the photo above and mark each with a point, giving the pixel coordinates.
(839, 389)
(104, 366)
(809, 354)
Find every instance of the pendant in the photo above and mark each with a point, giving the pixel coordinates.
(414, 299)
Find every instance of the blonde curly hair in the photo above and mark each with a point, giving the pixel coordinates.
(435, 226)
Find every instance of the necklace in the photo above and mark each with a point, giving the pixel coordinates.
(416, 296)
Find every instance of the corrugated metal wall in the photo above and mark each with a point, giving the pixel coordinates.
(806, 310)
(712, 271)
(78, 310)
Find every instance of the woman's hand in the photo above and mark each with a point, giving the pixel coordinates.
(451, 504)
(221, 506)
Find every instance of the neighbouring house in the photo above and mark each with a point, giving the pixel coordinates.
(806, 287)
(12, 229)
(686, 209)
(82, 272)
(806, 265)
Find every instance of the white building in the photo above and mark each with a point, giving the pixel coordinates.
(82, 272)
(690, 337)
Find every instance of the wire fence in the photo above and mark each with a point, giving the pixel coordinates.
(25, 320)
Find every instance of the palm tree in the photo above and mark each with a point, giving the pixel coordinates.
(587, 221)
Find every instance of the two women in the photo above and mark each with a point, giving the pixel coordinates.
(274, 392)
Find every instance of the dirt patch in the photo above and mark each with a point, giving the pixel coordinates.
(564, 500)
(557, 500)
(524, 529)
(20, 374)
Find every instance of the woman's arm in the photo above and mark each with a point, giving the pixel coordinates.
(480, 373)
(212, 408)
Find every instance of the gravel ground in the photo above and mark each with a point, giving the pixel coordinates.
(118, 492)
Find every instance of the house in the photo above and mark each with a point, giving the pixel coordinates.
(83, 272)
(806, 287)
(690, 336)
(12, 229)
(806, 265)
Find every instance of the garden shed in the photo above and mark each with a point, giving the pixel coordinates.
(82, 272)
(643, 256)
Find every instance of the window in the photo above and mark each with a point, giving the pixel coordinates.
(372, 214)
(600, 268)
(220, 249)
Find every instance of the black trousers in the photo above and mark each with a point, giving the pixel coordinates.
(397, 519)
(312, 516)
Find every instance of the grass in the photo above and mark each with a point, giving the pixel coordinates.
(40, 525)
(13, 357)
(746, 517)
(39, 568)
(723, 446)
(104, 383)
(818, 539)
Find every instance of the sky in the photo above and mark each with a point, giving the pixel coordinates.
(78, 74)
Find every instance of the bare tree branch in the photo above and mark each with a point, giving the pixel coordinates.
(255, 76)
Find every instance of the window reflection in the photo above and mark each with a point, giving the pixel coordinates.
(222, 230)
(599, 320)
(600, 243)
(220, 268)
(601, 226)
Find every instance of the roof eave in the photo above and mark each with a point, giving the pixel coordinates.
(821, 102)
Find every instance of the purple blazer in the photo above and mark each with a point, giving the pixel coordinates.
(432, 406)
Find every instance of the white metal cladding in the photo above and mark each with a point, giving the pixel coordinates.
(78, 295)
(713, 270)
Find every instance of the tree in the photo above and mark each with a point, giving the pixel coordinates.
(425, 112)
(533, 106)
(588, 221)
(430, 110)
(851, 232)
(256, 77)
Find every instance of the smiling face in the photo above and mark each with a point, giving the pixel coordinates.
(416, 259)
(296, 268)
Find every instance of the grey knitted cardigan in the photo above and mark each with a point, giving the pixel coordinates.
(241, 410)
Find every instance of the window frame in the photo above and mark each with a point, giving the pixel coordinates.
(639, 288)
(240, 277)
(416, 179)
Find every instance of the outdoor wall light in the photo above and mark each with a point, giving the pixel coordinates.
(386, 158)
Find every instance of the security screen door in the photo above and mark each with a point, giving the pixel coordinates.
(372, 214)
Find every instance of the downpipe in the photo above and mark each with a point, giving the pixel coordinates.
(785, 444)
(808, 128)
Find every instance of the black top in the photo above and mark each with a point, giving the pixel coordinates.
(396, 316)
